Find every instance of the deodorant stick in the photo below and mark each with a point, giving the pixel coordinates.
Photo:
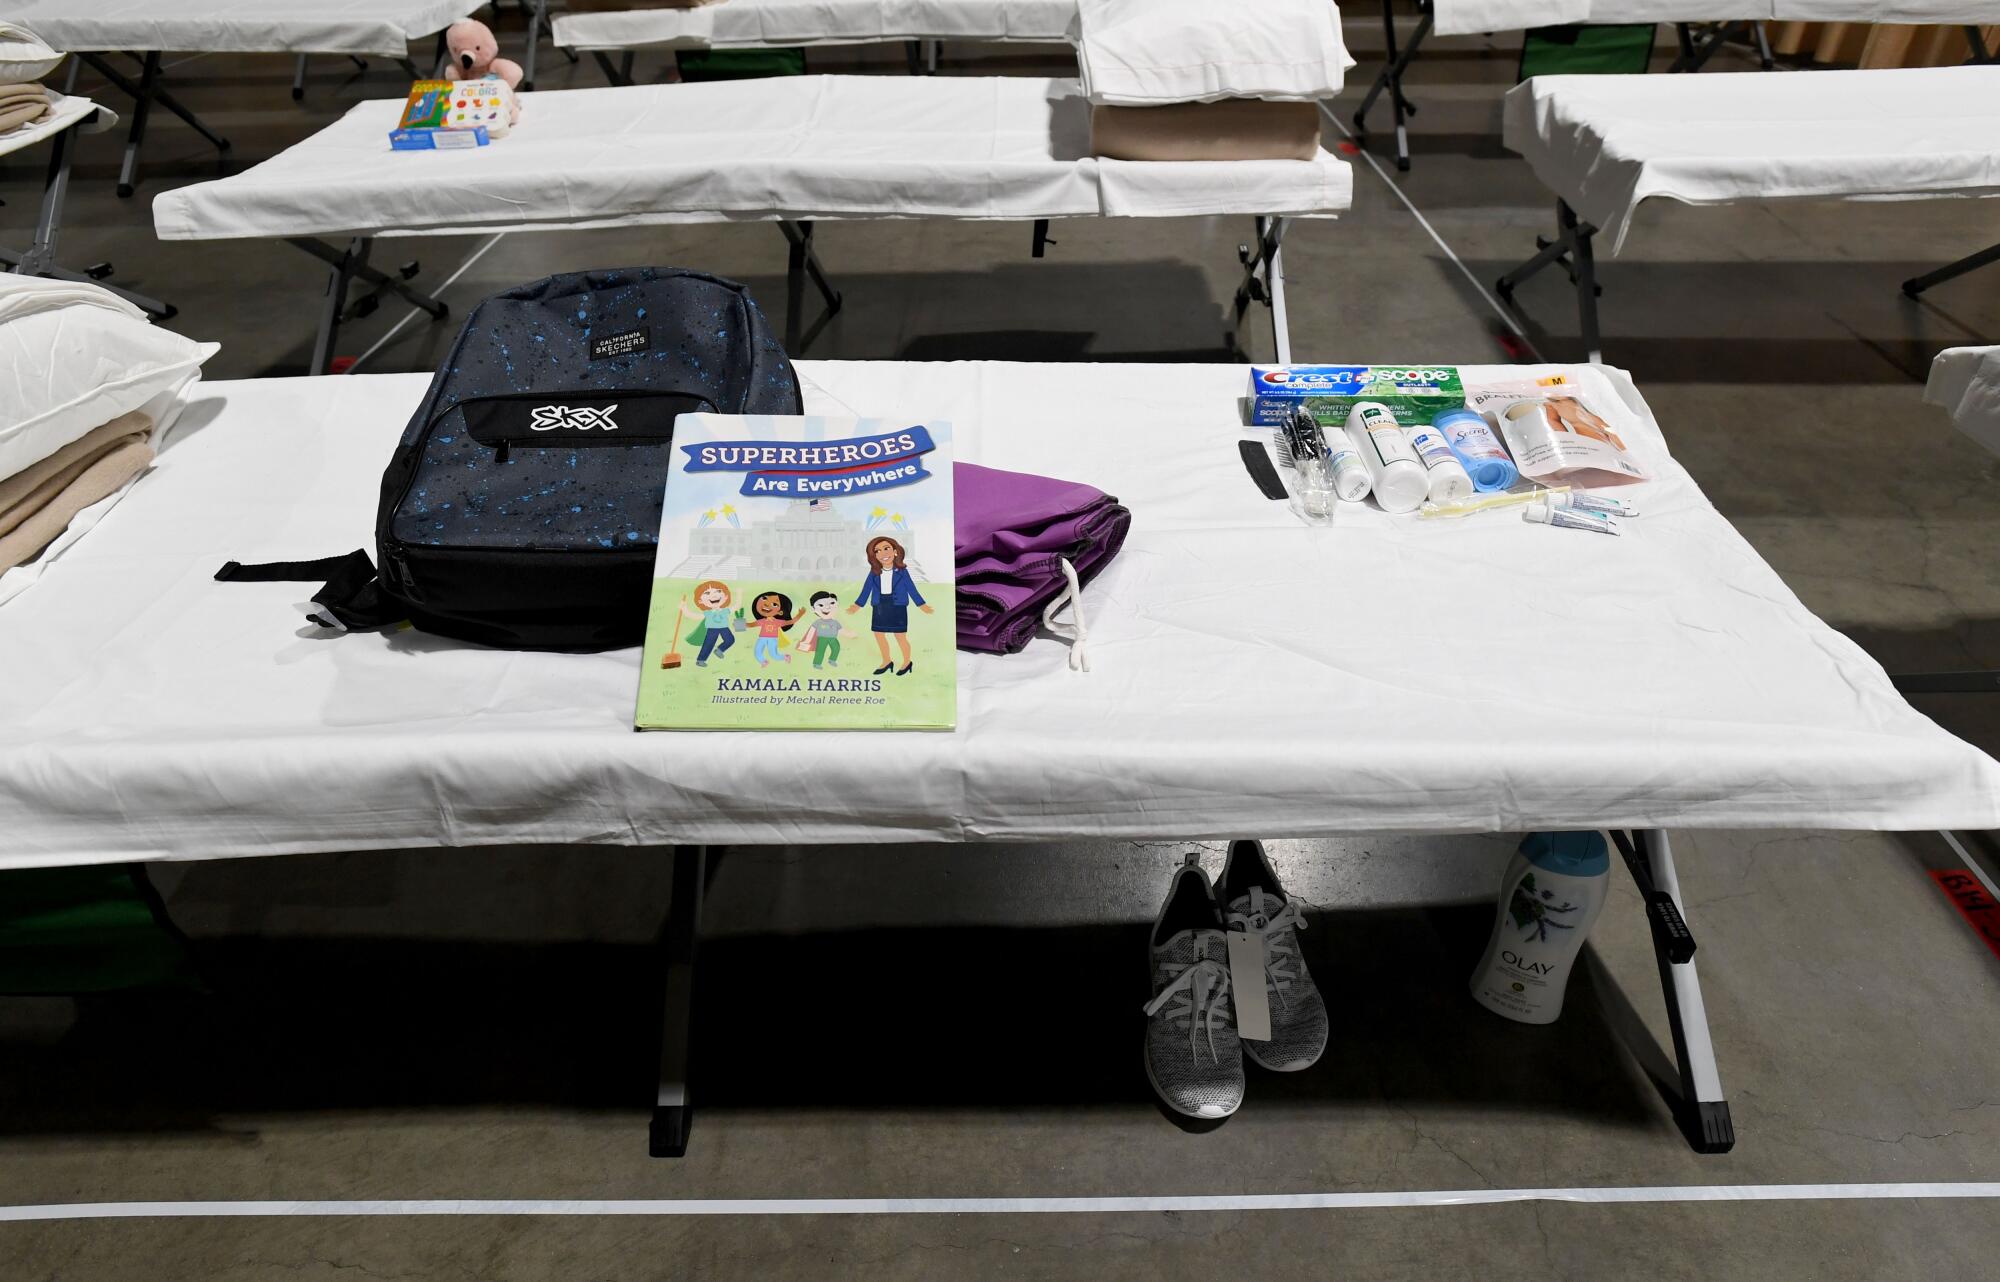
(1486, 460)
(1448, 480)
(1400, 481)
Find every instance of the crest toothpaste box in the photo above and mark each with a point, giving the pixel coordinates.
(1417, 390)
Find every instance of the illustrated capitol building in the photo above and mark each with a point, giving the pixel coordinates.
(806, 542)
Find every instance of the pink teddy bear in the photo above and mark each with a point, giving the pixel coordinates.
(475, 54)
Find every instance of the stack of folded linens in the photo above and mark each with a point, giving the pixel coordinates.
(1194, 80)
(23, 105)
(1014, 531)
(85, 381)
(24, 60)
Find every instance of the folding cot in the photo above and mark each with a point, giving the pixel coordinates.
(146, 29)
(174, 717)
(69, 116)
(1605, 143)
(1467, 17)
(790, 150)
(755, 24)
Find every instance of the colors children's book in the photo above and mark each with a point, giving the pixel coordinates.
(805, 578)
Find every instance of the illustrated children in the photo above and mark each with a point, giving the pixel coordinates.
(715, 633)
(822, 636)
(892, 591)
(770, 615)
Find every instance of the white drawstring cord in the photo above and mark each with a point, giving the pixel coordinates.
(1078, 635)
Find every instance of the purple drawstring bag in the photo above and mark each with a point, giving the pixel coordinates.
(1014, 530)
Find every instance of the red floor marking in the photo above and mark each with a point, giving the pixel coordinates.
(341, 364)
(1347, 149)
(1978, 908)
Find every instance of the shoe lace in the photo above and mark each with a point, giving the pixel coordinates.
(1281, 952)
(1199, 993)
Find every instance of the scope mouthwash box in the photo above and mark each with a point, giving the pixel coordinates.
(1416, 393)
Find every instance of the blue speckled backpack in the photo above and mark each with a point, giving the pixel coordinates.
(522, 505)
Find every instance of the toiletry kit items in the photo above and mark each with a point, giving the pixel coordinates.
(1406, 435)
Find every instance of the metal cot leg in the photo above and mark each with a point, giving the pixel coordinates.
(673, 1106)
(802, 263)
(299, 79)
(1391, 77)
(142, 106)
(1951, 271)
(1264, 282)
(347, 266)
(1572, 249)
(39, 259)
(1703, 1113)
(144, 93)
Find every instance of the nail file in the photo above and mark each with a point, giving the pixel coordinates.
(1258, 461)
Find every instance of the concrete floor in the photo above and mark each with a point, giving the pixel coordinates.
(964, 1022)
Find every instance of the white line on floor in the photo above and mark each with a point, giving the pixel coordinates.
(1003, 1205)
(1506, 317)
(435, 290)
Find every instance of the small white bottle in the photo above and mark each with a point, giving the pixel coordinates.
(1449, 480)
(1351, 478)
(1399, 480)
(1550, 897)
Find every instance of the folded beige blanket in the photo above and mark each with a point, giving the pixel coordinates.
(1232, 129)
(22, 104)
(37, 503)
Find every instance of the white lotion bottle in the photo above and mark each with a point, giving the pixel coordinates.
(1550, 897)
(1400, 481)
(1449, 481)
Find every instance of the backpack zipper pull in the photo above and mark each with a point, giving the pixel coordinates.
(500, 453)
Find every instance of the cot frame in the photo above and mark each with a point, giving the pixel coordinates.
(148, 90)
(1700, 1109)
(39, 258)
(1263, 282)
(1694, 53)
(1571, 250)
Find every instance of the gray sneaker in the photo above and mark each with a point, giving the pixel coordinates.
(1193, 1057)
(1257, 903)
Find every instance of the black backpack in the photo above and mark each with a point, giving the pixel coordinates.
(522, 505)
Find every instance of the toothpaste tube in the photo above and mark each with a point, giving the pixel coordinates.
(1596, 504)
(1563, 518)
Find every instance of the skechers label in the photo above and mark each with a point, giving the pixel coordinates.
(628, 343)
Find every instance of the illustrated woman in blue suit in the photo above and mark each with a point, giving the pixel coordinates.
(892, 591)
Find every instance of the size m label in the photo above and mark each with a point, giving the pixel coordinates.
(627, 343)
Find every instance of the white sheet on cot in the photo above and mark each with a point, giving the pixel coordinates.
(1966, 382)
(1605, 143)
(1248, 674)
(1464, 17)
(821, 147)
(361, 27)
(766, 23)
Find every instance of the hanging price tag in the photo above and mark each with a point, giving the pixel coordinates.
(1246, 982)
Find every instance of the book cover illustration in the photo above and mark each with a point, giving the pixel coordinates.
(805, 578)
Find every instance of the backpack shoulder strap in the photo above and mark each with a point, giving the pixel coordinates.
(352, 598)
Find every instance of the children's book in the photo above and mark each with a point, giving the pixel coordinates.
(805, 578)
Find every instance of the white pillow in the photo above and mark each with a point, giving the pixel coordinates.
(75, 356)
(1143, 53)
(23, 56)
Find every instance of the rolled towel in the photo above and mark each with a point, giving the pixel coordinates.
(37, 503)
